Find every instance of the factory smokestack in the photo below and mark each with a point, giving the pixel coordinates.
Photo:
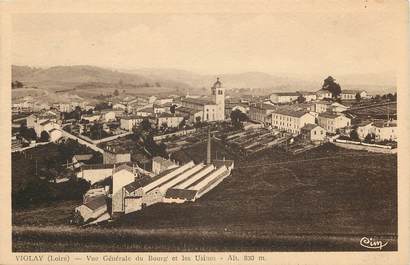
(208, 150)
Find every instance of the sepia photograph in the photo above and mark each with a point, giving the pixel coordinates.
(213, 131)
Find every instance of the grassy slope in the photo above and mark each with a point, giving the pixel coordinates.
(331, 202)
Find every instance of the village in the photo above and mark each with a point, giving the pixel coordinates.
(140, 151)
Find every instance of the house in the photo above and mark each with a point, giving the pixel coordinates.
(47, 126)
(291, 120)
(331, 122)
(160, 164)
(122, 176)
(329, 106)
(55, 135)
(95, 172)
(145, 112)
(94, 208)
(65, 107)
(116, 154)
(91, 117)
(338, 107)
(313, 132)
(309, 96)
(43, 116)
(283, 97)
(190, 115)
(79, 160)
(351, 94)
(129, 122)
(322, 94)
(260, 112)
(385, 131)
(163, 101)
(119, 106)
(108, 115)
(364, 128)
(171, 120)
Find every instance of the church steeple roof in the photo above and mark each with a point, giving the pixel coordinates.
(217, 83)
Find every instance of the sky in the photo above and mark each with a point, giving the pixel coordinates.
(276, 42)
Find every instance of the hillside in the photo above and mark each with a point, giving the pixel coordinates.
(82, 74)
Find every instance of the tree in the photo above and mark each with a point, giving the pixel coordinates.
(358, 97)
(172, 108)
(182, 124)
(198, 119)
(145, 125)
(44, 136)
(370, 137)
(353, 135)
(237, 117)
(329, 84)
(116, 93)
(301, 99)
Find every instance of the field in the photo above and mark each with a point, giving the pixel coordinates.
(324, 199)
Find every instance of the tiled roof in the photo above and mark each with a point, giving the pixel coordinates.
(184, 194)
(309, 127)
(96, 202)
(264, 106)
(83, 157)
(45, 122)
(198, 101)
(286, 94)
(132, 117)
(351, 91)
(290, 112)
(187, 110)
(329, 115)
(137, 183)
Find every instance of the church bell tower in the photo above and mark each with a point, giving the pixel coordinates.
(218, 94)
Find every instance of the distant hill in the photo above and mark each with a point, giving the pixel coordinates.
(85, 77)
(82, 74)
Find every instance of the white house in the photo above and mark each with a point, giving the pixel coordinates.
(170, 120)
(385, 130)
(322, 94)
(284, 97)
(55, 135)
(109, 116)
(261, 112)
(91, 117)
(313, 132)
(45, 126)
(122, 175)
(160, 164)
(333, 121)
(129, 122)
(348, 94)
(290, 120)
(364, 128)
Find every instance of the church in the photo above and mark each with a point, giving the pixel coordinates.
(205, 109)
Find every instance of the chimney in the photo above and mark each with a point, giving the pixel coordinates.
(208, 151)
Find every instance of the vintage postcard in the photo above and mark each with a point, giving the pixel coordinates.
(204, 132)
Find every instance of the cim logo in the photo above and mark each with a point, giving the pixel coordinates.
(372, 243)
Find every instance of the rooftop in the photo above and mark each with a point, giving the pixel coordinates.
(184, 194)
(137, 183)
(96, 202)
(198, 101)
(187, 110)
(290, 112)
(309, 127)
(329, 115)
